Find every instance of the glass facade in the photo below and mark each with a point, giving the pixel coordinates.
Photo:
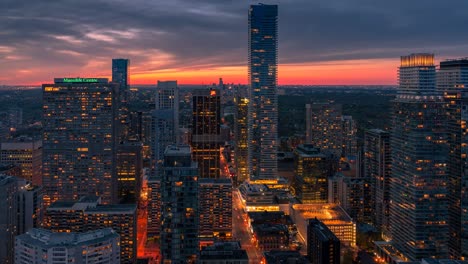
(418, 187)
(263, 63)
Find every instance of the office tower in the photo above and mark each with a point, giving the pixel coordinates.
(27, 154)
(30, 206)
(8, 217)
(324, 127)
(129, 171)
(263, 94)
(224, 253)
(241, 138)
(215, 210)
(165, 119)
(452, 80)
(135, 126)
(418, 187)
(78, 139)
(88, 214)
(349, 132)
(312, 170)
(323, 247)
(206, 133)
(121, 77)
(377, 165)
(154, 207)
(40, 246)
(179, 191)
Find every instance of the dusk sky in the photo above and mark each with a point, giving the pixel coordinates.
(198, 41)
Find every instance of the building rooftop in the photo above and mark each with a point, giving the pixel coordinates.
(21, 144)
(224, 250)
(289, 257)
(222, 181)
(6, 179)
(265, 229)
(92, 204)
(47, 239)
(321, 230)
(308, 150)
(178, 150)
(327, 213)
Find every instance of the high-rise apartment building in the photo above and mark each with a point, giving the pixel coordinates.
(418, 187)
(324, 127)
(323, 247)
(179, 192)
(129, 171)
(25, 153)
(88, 214)
(154, 207)
(79, 127)
(263, 93)
(242, 139)
(215, 210)
(452, 80)
(40, 246)
(377, 164)
(311, 172)
(206, 132)
(165, 120)
(8, 217)
(349, 133)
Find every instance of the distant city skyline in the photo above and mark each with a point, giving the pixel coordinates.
(323, 43)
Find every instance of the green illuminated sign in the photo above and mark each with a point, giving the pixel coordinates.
(80, 80)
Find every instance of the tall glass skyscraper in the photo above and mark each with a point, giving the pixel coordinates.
(418, 187)
(263, 112)
(452, 80)
(120, 76)
(79, 143)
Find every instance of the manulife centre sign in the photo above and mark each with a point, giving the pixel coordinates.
(81, 80)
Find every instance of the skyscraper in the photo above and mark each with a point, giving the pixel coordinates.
(263, 109)
(312, 170)
(324, 127)
(242, 140)
(26, 153)
(377, 164)
(165, 120)
(322, 245)
(179, 192)
(129, 167)
(79, 139)
(215, 210)
(452, 80)
(8, 217)
(206, 133)
(120, 75)
(418, 187)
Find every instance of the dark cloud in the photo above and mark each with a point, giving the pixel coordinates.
(66, 36)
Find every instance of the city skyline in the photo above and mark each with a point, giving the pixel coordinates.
(335, 37)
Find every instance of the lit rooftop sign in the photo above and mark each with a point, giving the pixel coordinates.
(80, 80)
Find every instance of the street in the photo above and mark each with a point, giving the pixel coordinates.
(241, 230)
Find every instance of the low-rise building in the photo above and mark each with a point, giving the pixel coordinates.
(223, 253)
(271, 236)
(257, 197)
(40, 246)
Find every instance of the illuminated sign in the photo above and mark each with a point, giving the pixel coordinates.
(80, 80)
(213, 93)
